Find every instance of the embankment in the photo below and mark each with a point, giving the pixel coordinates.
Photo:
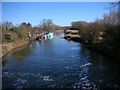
(13, 45)
(73, 35)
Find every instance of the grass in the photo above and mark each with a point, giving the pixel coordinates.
(8, 41)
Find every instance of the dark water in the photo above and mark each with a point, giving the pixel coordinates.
(61, 64)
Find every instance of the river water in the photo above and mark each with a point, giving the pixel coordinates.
(58, 63)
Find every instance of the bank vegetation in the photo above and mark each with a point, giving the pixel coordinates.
(14, 36)
(102, 35)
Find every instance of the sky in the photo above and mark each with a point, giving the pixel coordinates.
(62, 13)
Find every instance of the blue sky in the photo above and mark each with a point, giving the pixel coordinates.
(62, 13)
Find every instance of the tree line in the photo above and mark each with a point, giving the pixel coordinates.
(12, 33)
(106, 29)
(102, 34)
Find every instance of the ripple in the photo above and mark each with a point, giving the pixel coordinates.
(5, 74)
(4, 67)
(19, 82)
(47, 78)
(73, 56)
(85, 65)
(75, 48)
(85, 85)
(68, 67)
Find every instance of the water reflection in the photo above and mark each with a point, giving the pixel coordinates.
(21, 52)
(106, 71)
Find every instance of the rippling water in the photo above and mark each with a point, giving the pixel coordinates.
(58, 63)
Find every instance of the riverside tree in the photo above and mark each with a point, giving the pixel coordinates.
(47, 25)
(11, 33)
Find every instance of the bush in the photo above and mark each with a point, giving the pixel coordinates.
(14, 36)
(8, 41)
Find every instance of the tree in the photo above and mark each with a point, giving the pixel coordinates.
(47, 25)
(0, 33)
(112, 21)
(7, 26)
(114, 15)
(81, 26)
(23, 30)
(6, 29)
(111, 18)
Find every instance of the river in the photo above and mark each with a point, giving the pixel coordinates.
(58, 63)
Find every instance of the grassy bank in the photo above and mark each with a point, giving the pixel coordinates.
(7, 47)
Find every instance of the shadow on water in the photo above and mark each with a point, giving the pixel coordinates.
(22, 52)
(104, 71)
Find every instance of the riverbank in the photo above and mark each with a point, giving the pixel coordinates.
(7, 47)
(102, 48)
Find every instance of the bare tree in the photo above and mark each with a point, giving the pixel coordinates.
(111, 18)
(116, 6)
(7, 26)
(47, 25)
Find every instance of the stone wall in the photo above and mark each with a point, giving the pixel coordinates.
(72, 35)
